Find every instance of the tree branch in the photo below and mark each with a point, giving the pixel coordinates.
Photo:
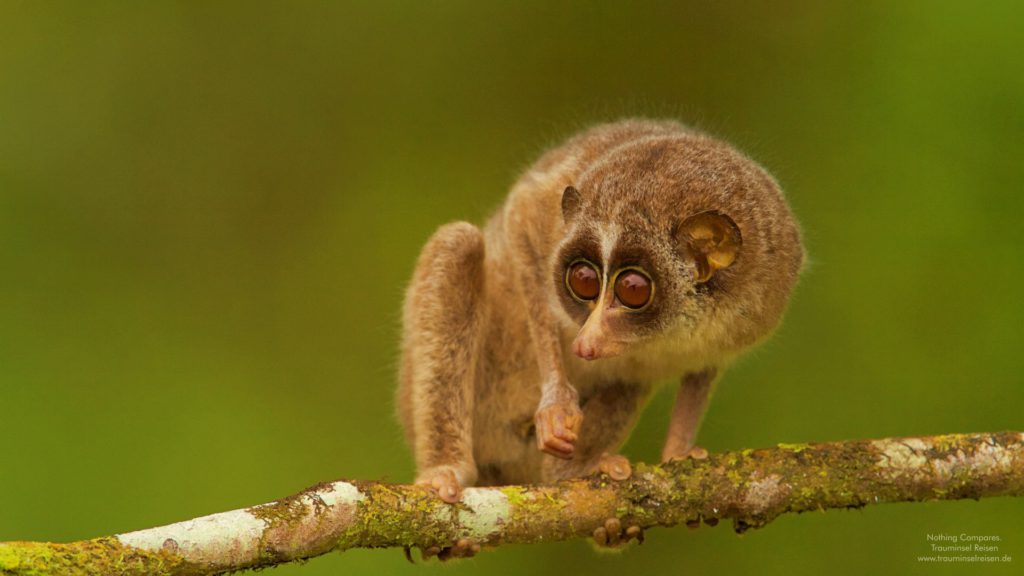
(751, 487)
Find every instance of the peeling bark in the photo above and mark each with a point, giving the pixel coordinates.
(750, 487)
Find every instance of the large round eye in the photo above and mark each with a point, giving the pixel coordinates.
(583, 281)
(633, 289)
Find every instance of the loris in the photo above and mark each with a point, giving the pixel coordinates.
(635, 252)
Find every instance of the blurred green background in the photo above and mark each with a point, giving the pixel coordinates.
(208, 212)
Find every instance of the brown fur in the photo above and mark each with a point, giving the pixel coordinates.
(490, 330)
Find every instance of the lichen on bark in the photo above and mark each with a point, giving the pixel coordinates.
(751, 487)
(90, 558)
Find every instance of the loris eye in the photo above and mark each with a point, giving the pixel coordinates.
(633, 289)
(583, 280)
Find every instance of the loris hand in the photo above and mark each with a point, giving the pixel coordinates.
(558, 426)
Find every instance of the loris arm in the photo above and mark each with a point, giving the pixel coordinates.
(691, 402)
(611, 411)
(558, 418)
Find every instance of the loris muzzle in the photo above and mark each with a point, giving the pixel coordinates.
(635, 252)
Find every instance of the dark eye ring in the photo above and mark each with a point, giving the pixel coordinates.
(583, 280)
(634, 288)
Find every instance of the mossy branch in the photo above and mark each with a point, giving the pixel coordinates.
(750, 487)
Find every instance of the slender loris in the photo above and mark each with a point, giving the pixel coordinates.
(636, 252)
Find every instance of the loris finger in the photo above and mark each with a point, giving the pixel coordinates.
(564, 433)
(549, 443)
(557, 447)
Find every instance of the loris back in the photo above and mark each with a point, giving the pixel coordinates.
(636, 252)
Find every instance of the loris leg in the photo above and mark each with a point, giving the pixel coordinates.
(691, 402)
(608, 416)
(441, 341)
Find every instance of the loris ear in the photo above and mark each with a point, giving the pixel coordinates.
(712, 239)
(571, 201)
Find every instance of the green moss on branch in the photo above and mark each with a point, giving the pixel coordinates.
(751, 487)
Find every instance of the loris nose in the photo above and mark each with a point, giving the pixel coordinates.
(584, 350)
(595, 340)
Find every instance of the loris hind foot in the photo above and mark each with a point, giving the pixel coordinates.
(463, 548)
(443, 481)
(696, 452)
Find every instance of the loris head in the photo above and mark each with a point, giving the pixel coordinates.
(675, 236)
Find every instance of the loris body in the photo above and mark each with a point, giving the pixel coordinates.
(636, 252)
